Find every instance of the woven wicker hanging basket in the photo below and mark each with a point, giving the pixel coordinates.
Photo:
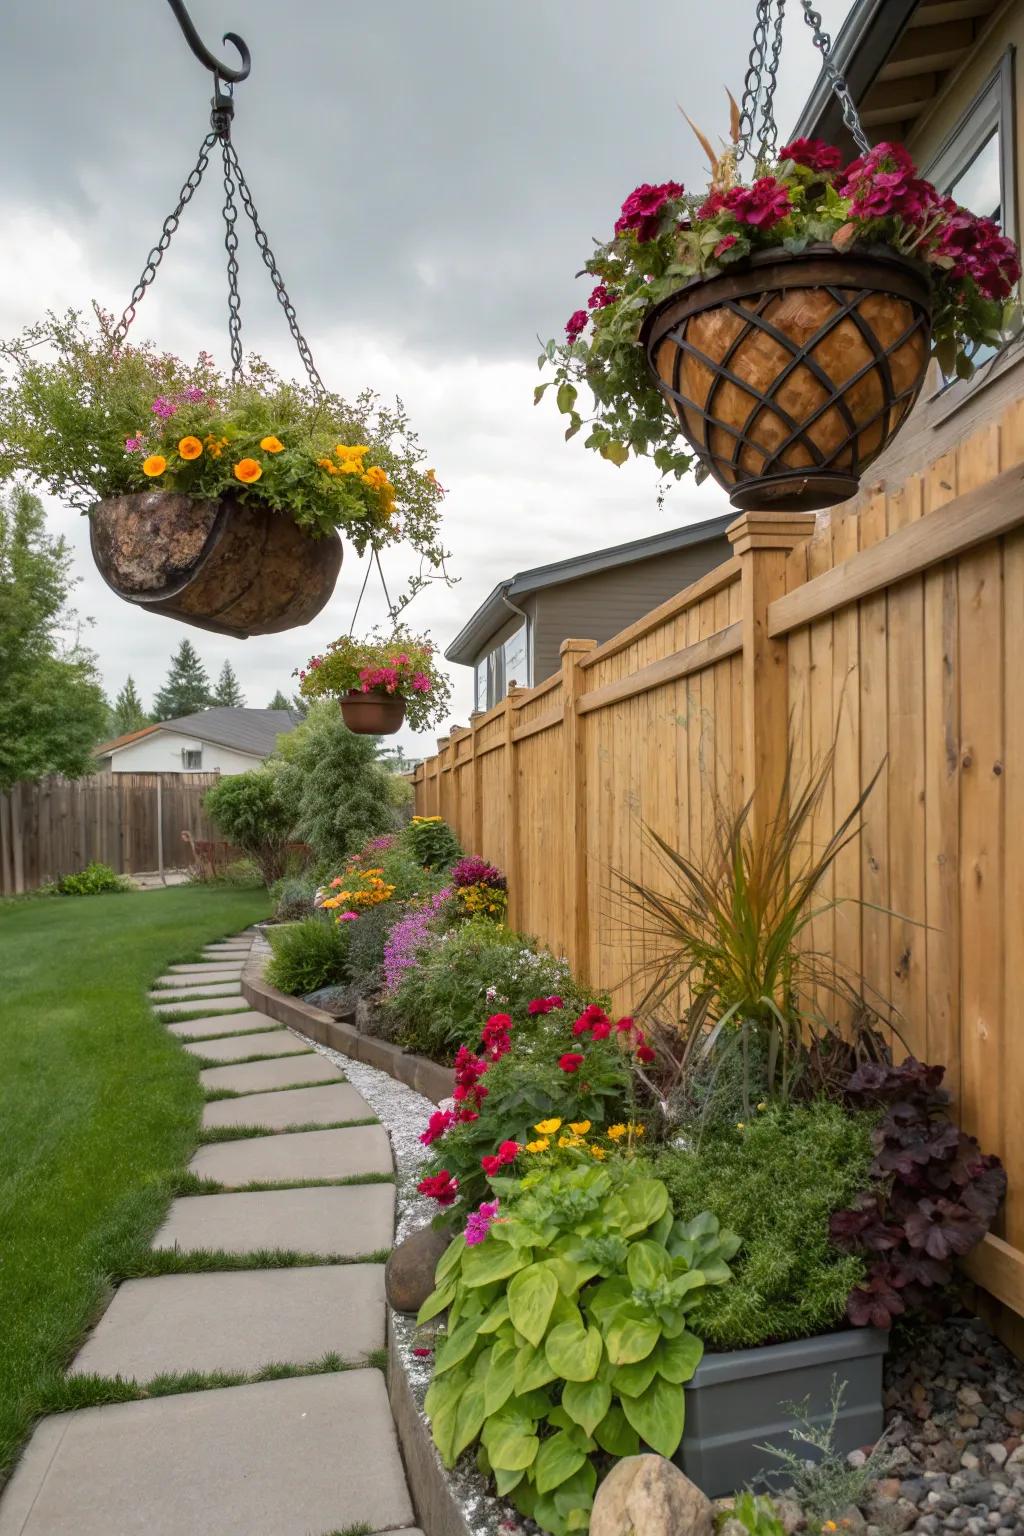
(790, 376)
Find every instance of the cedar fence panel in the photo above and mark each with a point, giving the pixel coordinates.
(56, 826)
(893, 628)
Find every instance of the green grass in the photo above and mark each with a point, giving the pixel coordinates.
(203, 1261)
(214, 1133)
(214, 1095)
(192, 1184)
(100, 1110)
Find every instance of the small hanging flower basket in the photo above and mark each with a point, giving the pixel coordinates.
(787, 321)
(380, 682)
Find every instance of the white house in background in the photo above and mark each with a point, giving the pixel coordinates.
(213, 741)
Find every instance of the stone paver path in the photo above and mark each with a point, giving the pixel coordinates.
(301, 1455)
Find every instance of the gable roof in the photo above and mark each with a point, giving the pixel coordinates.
(493, 611)
(246, 730)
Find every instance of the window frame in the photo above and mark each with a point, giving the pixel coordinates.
(188, 752)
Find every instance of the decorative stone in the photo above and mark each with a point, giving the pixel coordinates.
(791, 1516)
(649, 1494)
(409, 1276)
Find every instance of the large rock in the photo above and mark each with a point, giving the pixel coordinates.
(409, 1276)
(649, 1496)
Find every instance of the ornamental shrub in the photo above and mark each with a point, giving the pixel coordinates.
(294, 899)
(431, 842)
(334, 785)
(307, 955)
(254, 811)
(777, 1180)
(574, 1319)
(94, 880)
(367, 937)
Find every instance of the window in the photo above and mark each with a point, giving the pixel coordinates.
(480, 685)
(517, 668)
(191, 759)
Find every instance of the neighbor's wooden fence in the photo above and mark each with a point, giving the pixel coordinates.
(56, 825)
(894, 627)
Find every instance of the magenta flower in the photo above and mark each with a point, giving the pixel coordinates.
(815, 154)
(761, 205)
(885, 184)
(347, 917)
(643, 209)
(133, 444)
(576, 323)
(421, 683)
(162, 407)
(726, 244)
(193, 395)
(602, 297)
(478, 1223)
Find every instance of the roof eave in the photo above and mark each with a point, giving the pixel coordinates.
(862, 45)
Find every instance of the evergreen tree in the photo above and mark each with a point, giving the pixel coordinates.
(187, 689)
(127, 713)
(279, 701)
(227, 691)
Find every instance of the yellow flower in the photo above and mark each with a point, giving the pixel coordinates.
(356, 451)
(762, 1105)
(548, 1127)
(565, 1141)
(248, 471)
(154, 465)
(599, 1153)
(741, 1125)
(190, 448)
(376, 477)
(580, 1127)
(830, 1525)
(272, 445)
(614, 1132)
(346, 467)
(538, 1146)
(431, 477)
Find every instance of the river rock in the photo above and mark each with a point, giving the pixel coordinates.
(650, 1496)
(409, 1273)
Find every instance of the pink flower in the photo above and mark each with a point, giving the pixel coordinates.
(980, 252)
(885, 184)
(421, 683)
(643, 209)
(761, 205)
(571, 1061)
(162, 408)
(479, 1222)
(815, 154)
(133, 444)
(576, 323)
(726, 244)
(543, 1004)
(602, 297)
(193, 395)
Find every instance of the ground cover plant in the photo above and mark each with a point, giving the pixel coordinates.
(305, 955)
(94, 880)
(99, 1108)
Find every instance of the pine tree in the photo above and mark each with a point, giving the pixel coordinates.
(187, 689)
(127, 713)
(227, 692)
(279, 701)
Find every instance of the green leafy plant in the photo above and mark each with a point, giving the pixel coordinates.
(431, 842)
(335, 787)
(90, 418)
(308, 955)
(569, 1333)
(367, 938)
(94, 880)
(754, 1512)
(778, 1179)
(396, 663)
(824, 1483)
(253, 812)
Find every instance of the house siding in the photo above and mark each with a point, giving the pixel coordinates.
(161, 752)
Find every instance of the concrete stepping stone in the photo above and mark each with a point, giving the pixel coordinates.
(198, 978)
(297, 1155)
(207, 968)
(224, 1023)
(228, 947)
(348, 1220)
(173, 994)
(312, 1454)
(272, 1042)
(209, 1005)
(326, 1105)
(237, 1321)
(260, 1076)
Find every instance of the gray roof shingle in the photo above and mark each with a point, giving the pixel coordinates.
(247, 730)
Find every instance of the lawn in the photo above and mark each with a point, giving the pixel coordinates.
(99, 1110)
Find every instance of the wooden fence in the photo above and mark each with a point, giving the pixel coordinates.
(56, 826)
(890, 627)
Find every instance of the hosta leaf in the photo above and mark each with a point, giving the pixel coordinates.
(677, 1359)
(532, 1368)
(495, 1317)
(442, 1406)
(608, 1296)
(657, 1416)
(469, 1417)
(615, 1435)
(587, 1402)
(632, 1380)
(557, 1460)
(646, 1265)
(577, 1494)
(511, 1443)
(492, 1261)
(506, 1481)
(531, 1295)
(646, 1201)
(500, 1382)
(436, 1302)
(629, 1338)
(448, 1260)
(574, 1353)
(456, 1347)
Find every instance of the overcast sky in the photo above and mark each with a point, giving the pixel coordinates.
(430, 174)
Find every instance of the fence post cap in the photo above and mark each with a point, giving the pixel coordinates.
(568, 647)
(769, 530)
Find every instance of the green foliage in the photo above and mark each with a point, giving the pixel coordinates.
(407, 875)
(398, 661)
(431, 842)
(52, 708)
(187, 689)
(331, 780)
(569, 1333)
(367, 939)
(228, 692)
(293, 899)
(94, 880)
(254, 812)
(77, 414)
(306, 955)
(279, 701)
(823, 1481)
(127, 714)
(755, 1513)
(400, 792)
(776, 1180)
(442, 1002)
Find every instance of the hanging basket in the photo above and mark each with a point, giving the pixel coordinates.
(376, 713)
(791, 375)
(237, 569)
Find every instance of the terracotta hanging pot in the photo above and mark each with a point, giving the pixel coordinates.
(236, 568)
(377, 713)
(791, 375)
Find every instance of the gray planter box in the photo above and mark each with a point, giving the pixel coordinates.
(737, 1401)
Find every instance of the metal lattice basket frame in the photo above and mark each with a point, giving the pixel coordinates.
(799, 471)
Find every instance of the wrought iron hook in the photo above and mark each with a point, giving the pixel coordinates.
(220, 71)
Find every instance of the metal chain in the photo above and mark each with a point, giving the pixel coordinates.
(275, 275)
(170, 225)
(752, 80)
(823, 43)
(230, 212)
(769, 127)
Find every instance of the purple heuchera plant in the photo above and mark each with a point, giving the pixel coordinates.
(408, 936)
(474, 871)
(934, 1196)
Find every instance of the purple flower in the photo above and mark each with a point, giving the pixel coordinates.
(193, 395)
(478, 1223)
(162, 407)
(133, 444)
(408, 936)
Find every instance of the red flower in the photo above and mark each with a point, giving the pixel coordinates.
(490, 1166)
(601, 1030)
(602, 297)
(814, 153)
(712, 206)
(643, 208)
(644, 1053)
(576, 323)
(761, 205)
(979, 251)
(438, 1123)
(885, 184)
(624, 1026)
(571, 1061)
(440, 1187)
(543, 1004)
(726, 244)
(508, 1151)
(422, 1354)
(582, 1025)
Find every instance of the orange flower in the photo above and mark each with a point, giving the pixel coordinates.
(154, 465)
(190, 447)
(248, 471)
(272, 445)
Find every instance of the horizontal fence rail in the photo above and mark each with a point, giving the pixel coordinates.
(889, 631)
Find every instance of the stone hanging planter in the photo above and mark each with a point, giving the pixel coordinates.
(790, 375)
(235, 568)
(376, 713)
